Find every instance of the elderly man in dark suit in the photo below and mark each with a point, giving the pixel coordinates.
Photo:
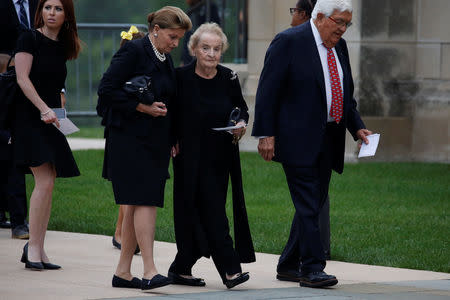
(304, 104)
(16, 16)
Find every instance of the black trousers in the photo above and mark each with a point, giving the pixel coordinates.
(211, 200)
(13, 193)
(309, 192)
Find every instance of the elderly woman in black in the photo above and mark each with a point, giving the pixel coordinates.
(204, 160)
(138, 147)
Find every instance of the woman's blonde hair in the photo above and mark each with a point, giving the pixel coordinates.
(169, 17)
(213, 28)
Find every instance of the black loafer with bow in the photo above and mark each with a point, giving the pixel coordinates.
(178, 279)
(231, 283)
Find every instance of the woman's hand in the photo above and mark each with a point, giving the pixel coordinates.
(157, 109)
(239, 132)
(49, 116)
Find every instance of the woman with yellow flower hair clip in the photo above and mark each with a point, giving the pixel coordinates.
(137, 150)
(132, 34)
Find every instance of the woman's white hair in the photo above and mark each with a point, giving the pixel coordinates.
(327, 7)
(213, 28)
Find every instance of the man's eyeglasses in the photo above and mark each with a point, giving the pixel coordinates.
(341, 23)
(292, 10)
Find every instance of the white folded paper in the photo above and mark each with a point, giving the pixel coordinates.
(371, 148)
(65, 125)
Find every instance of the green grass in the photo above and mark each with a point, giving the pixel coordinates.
(88, 132)
(391, 214)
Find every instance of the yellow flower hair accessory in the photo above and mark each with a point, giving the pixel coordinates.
(129, 35)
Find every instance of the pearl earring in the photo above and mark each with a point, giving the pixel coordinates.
(155, 34)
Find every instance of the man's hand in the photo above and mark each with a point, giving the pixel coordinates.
(266, 148)
(362, 135)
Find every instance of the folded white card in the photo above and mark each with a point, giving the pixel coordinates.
(371, 148)
(66, 126)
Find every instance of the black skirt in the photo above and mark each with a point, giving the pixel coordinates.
(137, 169)
(36, 143)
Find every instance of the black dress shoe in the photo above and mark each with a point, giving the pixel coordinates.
(119, 246)
(289, 275)
(50, 266)
(243, 277)
(20, 232)
(35, 266)
(317, 280)
(177, 279)
(156, 282)
(134, 283)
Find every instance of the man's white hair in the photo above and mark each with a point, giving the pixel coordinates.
(327, 7)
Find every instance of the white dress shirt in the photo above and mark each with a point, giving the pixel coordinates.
(326, 74)
(26, 5)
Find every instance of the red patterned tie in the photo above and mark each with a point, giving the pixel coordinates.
(336, 89)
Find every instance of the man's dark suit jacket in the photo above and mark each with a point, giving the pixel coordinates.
(10, 27)
(291, 99)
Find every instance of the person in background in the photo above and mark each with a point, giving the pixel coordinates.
(198, 13)
(304, 104)
(16, 16)
(137, 151)
(38, 145)
(301, 13)
(132, 34)
(207, 94)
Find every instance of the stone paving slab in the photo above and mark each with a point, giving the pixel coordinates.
(89, 261)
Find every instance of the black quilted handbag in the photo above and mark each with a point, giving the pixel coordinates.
(140, 87)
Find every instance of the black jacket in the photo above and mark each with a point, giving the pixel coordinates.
(134, 58)
(10, 27)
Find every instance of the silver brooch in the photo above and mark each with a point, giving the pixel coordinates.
(233, 75)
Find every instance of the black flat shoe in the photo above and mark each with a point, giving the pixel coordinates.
(156, 282)
(134, 283)
(243, 277)
(177, 279)
(34, 266)
(317, 280)
(50, 266)
(289, 275)
(119, 246)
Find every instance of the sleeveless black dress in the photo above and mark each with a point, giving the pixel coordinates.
(35, 142)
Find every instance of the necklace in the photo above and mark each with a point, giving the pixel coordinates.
(159, 55)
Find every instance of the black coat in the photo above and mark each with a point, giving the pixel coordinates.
(10, 27)
(291, 99)
(194, 135)
(138, 161)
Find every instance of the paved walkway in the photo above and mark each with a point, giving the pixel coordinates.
(89, 260)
